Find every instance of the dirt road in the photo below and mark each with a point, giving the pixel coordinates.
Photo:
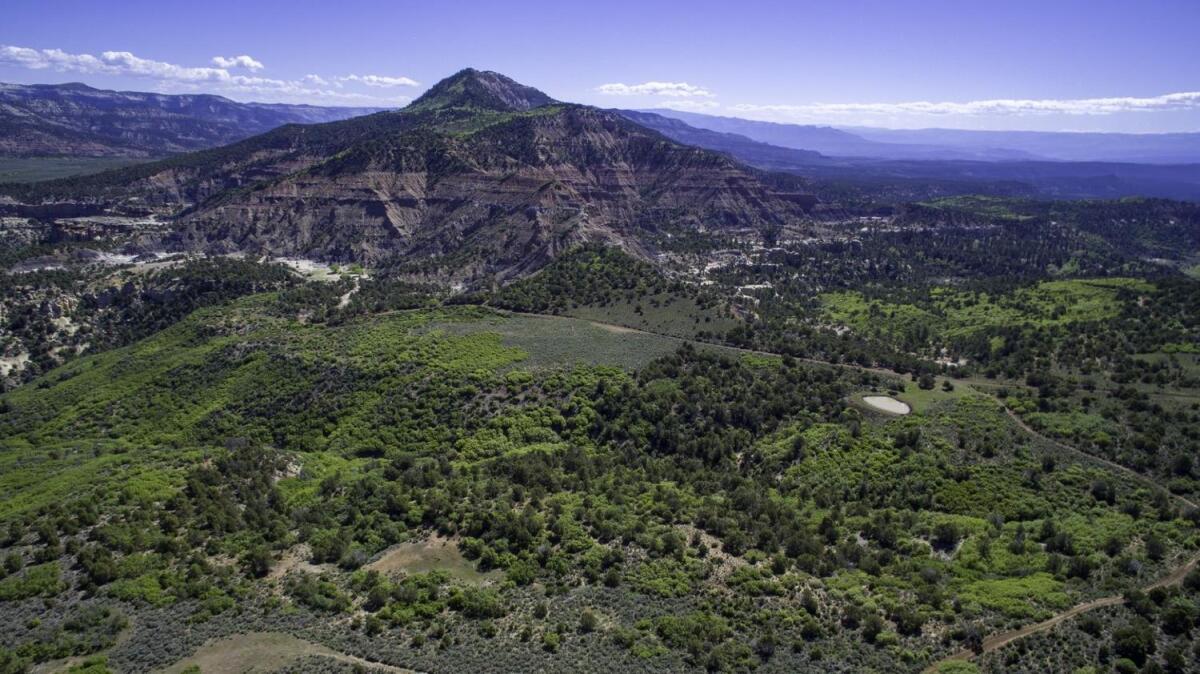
(1001, 639)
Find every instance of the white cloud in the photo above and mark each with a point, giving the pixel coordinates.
(177, 78)
(39, 59)
(672, 89)
(124, 62)
(380, 81)
(999, 106)
(243, 61)
(111, 63)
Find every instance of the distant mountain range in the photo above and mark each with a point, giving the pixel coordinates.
(919, 171)
(760, 154)
(957, 144)
(75, 120)
(1147, 148)
(483, 179)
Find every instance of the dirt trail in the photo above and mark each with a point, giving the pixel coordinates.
(1090, 457)
(1177, 575)
(344, 300)
(1001, 639)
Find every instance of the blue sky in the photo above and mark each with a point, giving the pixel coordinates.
(1052, 65)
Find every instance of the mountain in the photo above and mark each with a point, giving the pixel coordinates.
(480, 178)
(1146, 148)
(762, 155)
(959, 144)
(917, 178)
(837, 142)
(471, 88)
(79, 121)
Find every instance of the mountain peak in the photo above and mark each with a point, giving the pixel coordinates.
(482, 89)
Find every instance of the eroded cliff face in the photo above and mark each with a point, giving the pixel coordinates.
(480, 180)
(501, 200)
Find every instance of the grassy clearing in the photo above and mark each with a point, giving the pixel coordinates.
(33, 169)
(560, 341)
(434, 554)
(1047, 303)
(662, 313)
(1184, 356)
(918, 399)
(1074, 425)
(852, 309)
(43, 580)
(921, 400)
(999, 208)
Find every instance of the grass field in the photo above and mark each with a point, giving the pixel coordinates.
(918, 399)
(921, 399)
(33, 169)
(435, 554)
(993, 207)
(658, 313)
(558, 341)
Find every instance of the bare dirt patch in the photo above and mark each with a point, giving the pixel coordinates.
(887, 404)
(11, 363)
(296, 559)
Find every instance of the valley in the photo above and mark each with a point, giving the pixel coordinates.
(497, 382)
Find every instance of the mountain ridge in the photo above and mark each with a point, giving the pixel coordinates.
(922, 178)
(957, 144)
(77, 120)
(835, 141)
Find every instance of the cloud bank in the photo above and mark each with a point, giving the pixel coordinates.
(671, 89)
(998, 106)
(689, 97)
(380, 81)
(218, 79)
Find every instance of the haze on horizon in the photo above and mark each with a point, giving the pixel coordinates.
(1072, 66)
